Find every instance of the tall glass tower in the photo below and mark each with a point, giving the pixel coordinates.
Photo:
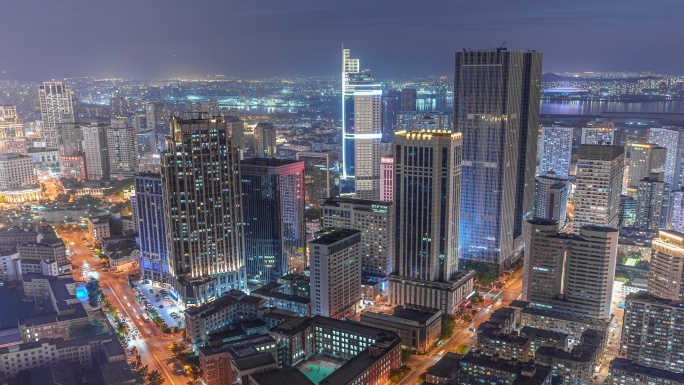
(361, 129)
(496, 108)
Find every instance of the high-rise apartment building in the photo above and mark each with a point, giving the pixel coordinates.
(265, 140)
(570, 274)
(600, 171)
(364, 125)
(202, 209)
(122, 142)
(666, 270)
(676, 209)
(237, 130)
(387, 178)
(644, 159)
(653, 198)
(408, 99)
(672, 138)
(321, 181)
(56, 106)
(375, 221)
(496, 109)
(427, 195)
(153, 260)
(273, 210)
(555, 150)
(96, 151)
(335, 272)
(551, 198)
(16, 171)
(598, 133)
(11, 125)
(70, 139)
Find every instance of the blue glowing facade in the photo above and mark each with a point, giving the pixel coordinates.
(149, 210)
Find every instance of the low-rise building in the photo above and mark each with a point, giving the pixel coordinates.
(286, 376)
(626, 372)
(274, 296)
(506, 346)
(371, 366)
(295, 338)
(345, 339)
(227, 363)
(419, 329)
(573, 326)
(99, 227)
(213, 316)
(541, 337)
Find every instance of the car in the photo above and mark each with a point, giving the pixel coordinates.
(161, 306)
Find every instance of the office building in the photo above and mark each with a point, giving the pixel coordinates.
(625, 372)
(361, 120)
(427, 196)
(321, 181)
(676, 215)
(14, 146)
(56, 107)
(496, 109)
(555, 149)
(628, 206)
(273, 211)
(419, 329)
(571, 274)
(96, 151)
(408, 99)
(387, 178)
(335, 269)
(237, 129)
(598, 185)
(671, 138)
(551, 198)
(11, 125)
(375, 221)
(149, 212)
(652, 203)
(16, 171)
(122, 144)
(265, 140)
(70, 139)
(598, 133)
(666, 270)
(391, 102)
(644, 159)
(543, 263)
(202, 209)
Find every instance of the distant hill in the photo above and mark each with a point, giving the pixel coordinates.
(551, 77)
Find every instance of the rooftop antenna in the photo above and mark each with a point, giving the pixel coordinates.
(503, 46)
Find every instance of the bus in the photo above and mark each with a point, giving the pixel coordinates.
(145, 317)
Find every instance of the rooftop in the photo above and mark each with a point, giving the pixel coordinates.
(629, 366)
(450, 363)
(117, 372)
(222, 302)
(352, 327)
(255, 361)
(351, 369)
(580, 353)
(333, 235)
(268, 162)
(365, 202)
(286, 376)
(293, 326)
(543, 333)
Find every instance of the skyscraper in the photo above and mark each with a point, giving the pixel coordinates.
(335, 272)
(375, 221)
(56, 107)
(598, 185)
(96, 151)
(543, 263)
(496, 108)
(653, 199)
(70, 139)
(361, 84)
(427, 194)
(555, 151)
(551, 198)
(202, 209)
(676, 206)
(149, 210)
(321, 181)
(273, 207)
(408, 99)
(644, 158)
(265, 140)
(10, 123)
(666, 270)
(122, 141)
(672, 138)
(598, 133)
(387, 178)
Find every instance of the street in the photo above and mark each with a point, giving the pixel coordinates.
(152, 344)
(420, 363)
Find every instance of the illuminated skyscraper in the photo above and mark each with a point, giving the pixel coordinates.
(666, 270)
(496, 108)
(598, 133)
(551, 198)
(653, 198)
(149, 211)
(672, 138)
(265, 140)
(427, 195)
(273, 210)
(644, 159)
(321, 181)
(96, 151)
(361, 130)
(122, 140)
(555, 151)
(202, 209)
(676, 206)
(600, 170)
(387, 178)
(56, 106)
(408, 99)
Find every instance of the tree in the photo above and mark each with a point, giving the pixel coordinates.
(193, 372)
(462, 349)
(467, 318)
(474, 312)
(405, 354)
(154, 378)
(140, 372)
(176, 349)
(448, 324)
(95, 293)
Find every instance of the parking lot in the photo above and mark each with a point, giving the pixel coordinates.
(154, 297)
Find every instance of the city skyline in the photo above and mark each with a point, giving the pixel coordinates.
(308, 35)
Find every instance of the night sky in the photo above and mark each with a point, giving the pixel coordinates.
(44, 39)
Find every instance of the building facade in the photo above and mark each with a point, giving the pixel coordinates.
(598, 133)
(652, 203)
(56, 107)
(672, 138)
(555, 150)
(496, 110)
(149, 213)
(16, 171)
(265, 140)
(321, 181)
(551, 198)
(644, 159)
(122, 144)
(96, 151)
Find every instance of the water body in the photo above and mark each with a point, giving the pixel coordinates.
(12, 307)
(591, 107)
